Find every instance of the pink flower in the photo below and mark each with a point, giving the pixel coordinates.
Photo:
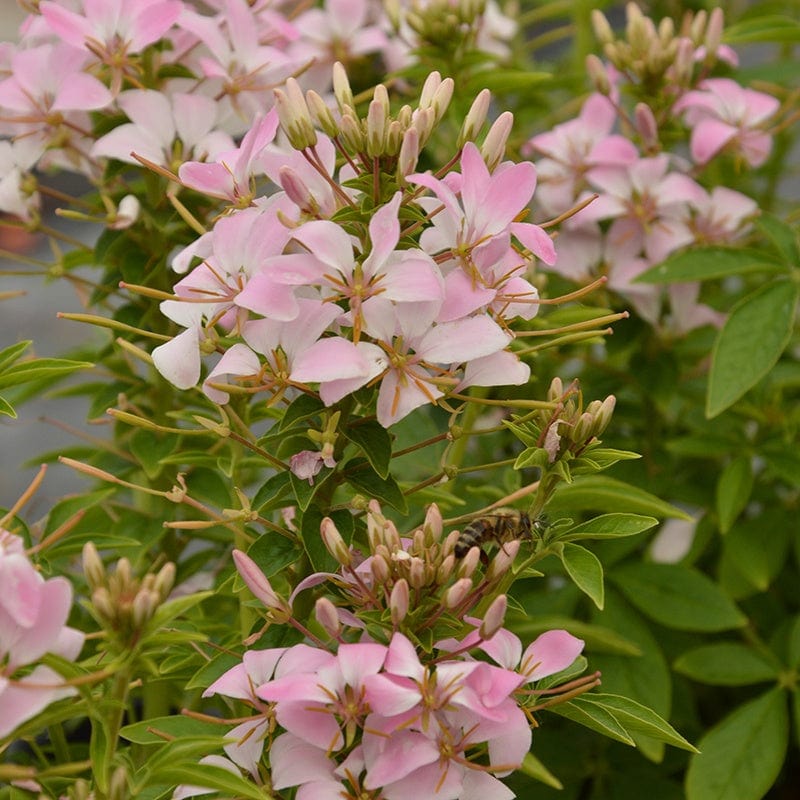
(156, 121)
(33, 615)
(725, 115)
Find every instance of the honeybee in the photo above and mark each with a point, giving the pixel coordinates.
(504, 526)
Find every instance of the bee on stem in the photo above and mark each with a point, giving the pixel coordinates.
(504, 526)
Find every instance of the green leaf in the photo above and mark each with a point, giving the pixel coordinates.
(8, 355)
(40, 369)
(637, 718)
(533, 768)
(757, 547)
(740, 758)
(375, 442)
(272, 492)
(209, 776)
(678, 597)
(783, 236)
(770, 28)
(585, 569)
(751, 341)
(148, 731)
(593, 716)
(705, 263)
(726, 664)
(273, 552)
(302, 407)
(305, 491)
(600, 493)
(7, 409)
(733, 491)
(360, 475)
(609, 526)
(149, 448)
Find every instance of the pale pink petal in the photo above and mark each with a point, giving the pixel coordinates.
(549, 653)
(238, 360)
(81, 92)
(709, 137)
(483, 786)
(330, 359)
(248, 745)
(397, 399)
(462, 340)
(294, 761)
(22, 702)
(405, 752)
(41, 638)
(179, 360)
(384, 231)
(356, 661)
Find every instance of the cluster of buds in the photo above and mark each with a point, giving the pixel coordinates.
(122, 602)
(422, 565)
(559, 440)
(650, 53)
(439, 21)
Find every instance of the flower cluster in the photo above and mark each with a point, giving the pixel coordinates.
(33, 616)
(322, 286)
(648, 203)
(386, 715)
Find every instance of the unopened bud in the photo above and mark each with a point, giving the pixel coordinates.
(123, 574)
(475, 119)
(646, 126)
(601, 27)
(377, 120)
(683, 61)
(101, 601)
(583, 429)
(296, 189)
(144, 605)
(494, 617)
(432, 524)
(341, 88)
(93, 567)
(164, 580)
(398, 602)
(380, 569)
(445, 569)
(294, 116)
(457, 593)
(469, 563)
(127, 213)
(334, 543)
(713, 37)
(256, 581)
(429, 87)
(394, 138)
(321, 114)
(666, 31)
(409, 154)
(603, 417)
(442, 97)
(416, 573)
(503, 560)
(423, 120)
(494, 145)
(697, 28)
(327, 616)
(598, 75)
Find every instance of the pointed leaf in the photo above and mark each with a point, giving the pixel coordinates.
(740, 758)
(751, 341)
(726, 664)
(585, 569)
(8, 355)
(375, 442)
(594, 717)
(678, 597)
(40, 369)
(6, 409)
(610, 526)
(533, 768)
(733, 491)
(363, 478)
(705, 263)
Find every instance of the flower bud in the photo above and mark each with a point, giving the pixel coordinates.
(469, 563)
(683, 62)
(334, 543)
(603, 417)
(296, 190)
(416, 573)
(601, 27)
(257, 582)
(321, 114)
(327, 616)
(93, 567)
(341, 88)
(394, 138)
(144, 605)
(445, 569)
(457, 593)
(598, 75)
(494, 145)
(475, 119)
(582, 430)
(398, 602)
(101, 601)
(380, 569)
(713, 37)
(503, 560)
(432, 524)
(494, 617)
(294, 115)
(666, 31)
(123, 574)
(442, 97)
(429, 87)
(127, 213)
(377, 120)
(697, 27)
(409, 154)
(164, 581)
(646, 126)
(556, 390)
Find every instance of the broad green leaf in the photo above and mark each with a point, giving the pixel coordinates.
(302, 407)
(783, 236)
(40, 369)
(171, 609)
(726, 664)
(585, 569)
(600, 493)
(751, 341)
(637, 718)
(6, 409)
(678, 597)
(740, 758)
(595, 717)
(272, 492)
(609, 526)
(783, 460)
(757, 547)
(375, 443)
(363, 478)
(304, 490)
(320, 558)
(733, 491)
(705, 263)
(770, 28)
(273, 552)
(210, 777)
(149, 447)
(794, 643)
(147, 731)
(533, 768)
